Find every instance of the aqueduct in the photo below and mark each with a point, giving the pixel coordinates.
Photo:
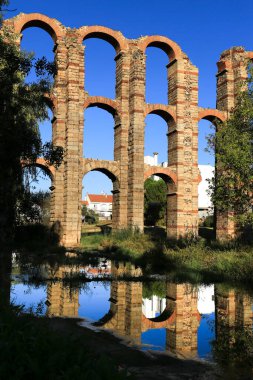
(127, 170)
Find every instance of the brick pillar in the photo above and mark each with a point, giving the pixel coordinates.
(136, 139)
(224, 312)
(58, 135)
(63, 301)
(183, 147)
(232, 71)
(73, 151)
(181, 338)
(134, 310)
(243, 310)
(121, 139)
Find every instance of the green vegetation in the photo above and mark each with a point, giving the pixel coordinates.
(31, 349)
(155, 202)
(22, 107)
(232, 186)
(233, 351)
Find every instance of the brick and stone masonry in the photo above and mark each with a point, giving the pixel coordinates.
(127, 171)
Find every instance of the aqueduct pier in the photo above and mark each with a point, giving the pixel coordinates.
(128, 171)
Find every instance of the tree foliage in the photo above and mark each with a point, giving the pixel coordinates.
(22, 107)
(232, 187)
(155, 202)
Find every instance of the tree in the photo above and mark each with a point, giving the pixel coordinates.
(232, 187)
(155, 202)
(22, 107)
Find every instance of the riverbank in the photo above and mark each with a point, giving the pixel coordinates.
(210, 260)
(57, 348)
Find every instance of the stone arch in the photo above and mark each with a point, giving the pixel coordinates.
(164, 173)
(211, 115)
(115, 38)
(106, 104)
(167, 113)
(41, 163)
(168, 46)
(51, 26)
(110, 169)
(165, 320)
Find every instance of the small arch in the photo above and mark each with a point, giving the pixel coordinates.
(167, 113)
(110, 169)
(211, 115)
(106, 104)
(164, 173)
(115, 38)
(168, 46)
(51, 26)
(41, 163)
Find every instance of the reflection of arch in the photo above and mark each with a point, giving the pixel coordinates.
(41, 163)
(106, 104)
(165, 173)
(211, 115)
(51, 26)
(114, 38)
(165, 112)
(169, 47)
(109, 168)
(165, 320)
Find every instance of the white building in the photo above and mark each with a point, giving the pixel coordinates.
(153, 307)
(101, 204)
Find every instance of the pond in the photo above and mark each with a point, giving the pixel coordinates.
(194, 321)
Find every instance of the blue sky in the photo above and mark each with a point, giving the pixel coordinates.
(203, 29)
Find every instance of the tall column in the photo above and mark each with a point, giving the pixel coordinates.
(232, 72)
(73, 153)
(181, 338)
(121, 139)
(58, 135)
(136, 139)
(183, 147)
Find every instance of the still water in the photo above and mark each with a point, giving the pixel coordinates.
(156, 314)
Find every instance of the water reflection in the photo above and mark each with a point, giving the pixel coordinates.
(181, 319)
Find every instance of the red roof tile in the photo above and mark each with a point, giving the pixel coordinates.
(100, 198)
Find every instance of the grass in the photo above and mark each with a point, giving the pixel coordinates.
(31, 349)
(205, 258)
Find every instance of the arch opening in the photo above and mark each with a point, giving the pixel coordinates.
(158, 187)
(98, 188)
(100, 67)
(206, 164)
(34, 207)
(98, 139)
(156, 75)
(156, 139)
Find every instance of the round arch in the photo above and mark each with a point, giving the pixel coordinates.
(115, 38)
(164, 173)
(51, 26)
(41, 163)
(106, 104)
(165, 112)
(212, 115)
(170, 47)
(110, 169)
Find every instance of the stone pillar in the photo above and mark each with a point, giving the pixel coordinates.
(181, 338)
(59, 95)
(136, 139)
(121, 139)
(183, 147)
(134, 310)
(73, 151)
(232, 72)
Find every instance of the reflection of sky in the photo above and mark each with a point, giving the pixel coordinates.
(206, 333)
(93, 300)
(154, 337)
(29, 296)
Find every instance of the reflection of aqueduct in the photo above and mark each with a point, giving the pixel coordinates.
(127, 171)
(180, 318)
